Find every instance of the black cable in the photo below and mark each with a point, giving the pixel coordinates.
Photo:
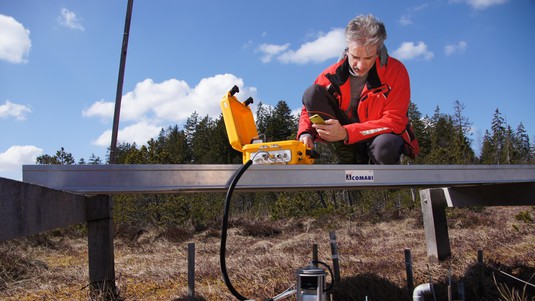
(330, 272)
(224, 228)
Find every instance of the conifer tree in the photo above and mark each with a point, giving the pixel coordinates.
(177, 146)
(60, 158)
(462, 150)
(201, 141)
(441, 139)
(498, 137)
(281, 125)
(418, 125)
(94, 160)
(262, 115)
(136, 156)
(522, 144)
(190, 127)
(224, 153)
(122, 151)
(487, 149)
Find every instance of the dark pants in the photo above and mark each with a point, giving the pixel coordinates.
(382, 149)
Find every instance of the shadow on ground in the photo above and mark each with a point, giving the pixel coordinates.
(368, 287)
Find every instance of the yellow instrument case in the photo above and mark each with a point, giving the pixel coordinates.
(243, 136)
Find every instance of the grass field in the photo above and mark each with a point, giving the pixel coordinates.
(263, 255)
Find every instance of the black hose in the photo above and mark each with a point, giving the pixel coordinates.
(224, 228)
(330, 272)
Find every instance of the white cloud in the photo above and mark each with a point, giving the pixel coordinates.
(270, 50)
(247, 44)
(15, 41)
(100, 108)
(11, 160)
(139, 133)
(324, 47)
(14, 110)
(481, 4)
(406, 19)
(459, 47)
(151, 106)
(69, 19)
(409, 51)
(171, 100)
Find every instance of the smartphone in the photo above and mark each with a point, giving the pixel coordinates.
(316, 119)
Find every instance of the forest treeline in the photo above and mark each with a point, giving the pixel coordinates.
(443, 138)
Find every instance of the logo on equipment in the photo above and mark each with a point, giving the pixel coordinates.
(359, 176)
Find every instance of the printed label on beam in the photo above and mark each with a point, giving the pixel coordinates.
(359, 176)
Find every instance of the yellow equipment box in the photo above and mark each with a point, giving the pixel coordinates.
(243, 136)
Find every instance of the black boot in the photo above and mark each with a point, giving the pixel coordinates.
(344, 153)
(351, 153)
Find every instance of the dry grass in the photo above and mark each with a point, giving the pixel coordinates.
(151, 265)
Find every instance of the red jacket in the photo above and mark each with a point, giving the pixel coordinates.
(380, 110)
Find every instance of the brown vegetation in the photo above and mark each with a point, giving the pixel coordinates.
(263, 255)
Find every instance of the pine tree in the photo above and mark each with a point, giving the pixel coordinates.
(424, 139)
(509, 150)
(462, 150)
(498, 138)
(281, 124)
(64, 157)
(176, 145)
(94, 160)
(441, 135)
(223, 151)
(60, 158)
(154, 153)
(136, 156)
(123, 151)
(202, 142)
(262, 115)
(190, 127)
(522, 145)
(46, 160)
(487, 149)
(418, 125)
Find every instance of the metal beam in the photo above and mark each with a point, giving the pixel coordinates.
(115, 179)
(491, 195)
(27, 209)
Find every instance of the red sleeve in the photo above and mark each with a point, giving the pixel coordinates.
(391, 117)
(305, 125)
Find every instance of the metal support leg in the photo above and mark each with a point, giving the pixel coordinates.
(435, 224)
(100, 247)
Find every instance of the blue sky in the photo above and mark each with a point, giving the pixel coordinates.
(59, 62)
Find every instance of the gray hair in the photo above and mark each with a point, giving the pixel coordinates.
(366, 31)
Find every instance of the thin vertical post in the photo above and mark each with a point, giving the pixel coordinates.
(408, 269)
(334, 256)
(191, 271)
(315, 255)
(450, 289)
(480, 267)
(120, 80)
